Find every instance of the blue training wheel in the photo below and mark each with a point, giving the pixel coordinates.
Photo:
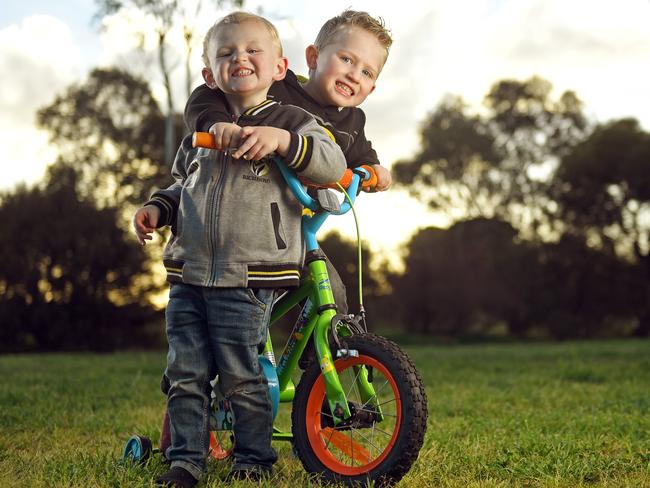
(138, 449)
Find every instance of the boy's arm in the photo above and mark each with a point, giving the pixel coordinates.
(309, 151)
(362, 152)
(314, 155)
(204, 108)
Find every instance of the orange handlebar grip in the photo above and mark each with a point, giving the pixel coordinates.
(372, 182)
(204, 139)
(346, 179)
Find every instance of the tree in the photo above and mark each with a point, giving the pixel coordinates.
(467, 279)
(110, 128)
(603, 191)
(164, 15)
(69, 282)
(497, 164)
(585, 292)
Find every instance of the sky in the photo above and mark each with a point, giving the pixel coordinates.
(600, 49)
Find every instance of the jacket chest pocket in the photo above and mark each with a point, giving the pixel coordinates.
(278, 230)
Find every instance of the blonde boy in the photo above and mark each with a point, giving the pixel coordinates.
(236, 224)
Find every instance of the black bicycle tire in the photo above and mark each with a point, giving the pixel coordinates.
(411, 431)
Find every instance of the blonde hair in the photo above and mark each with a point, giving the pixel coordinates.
(239, 18)
(363, 20)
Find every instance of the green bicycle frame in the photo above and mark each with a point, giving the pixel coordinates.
(316, 316)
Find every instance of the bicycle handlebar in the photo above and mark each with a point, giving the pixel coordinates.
(350, 180)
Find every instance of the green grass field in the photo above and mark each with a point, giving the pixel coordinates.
(504, 415)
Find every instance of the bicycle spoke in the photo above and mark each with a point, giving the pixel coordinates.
(354, 381)
(368, 440)
(345, 444)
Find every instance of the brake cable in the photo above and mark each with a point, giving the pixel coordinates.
(356, 323)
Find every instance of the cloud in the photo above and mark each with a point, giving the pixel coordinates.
(599, 49)
(38, 59)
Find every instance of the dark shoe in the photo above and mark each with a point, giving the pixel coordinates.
(178, 478)
(253, 474)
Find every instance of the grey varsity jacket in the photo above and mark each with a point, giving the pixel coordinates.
(235, 223)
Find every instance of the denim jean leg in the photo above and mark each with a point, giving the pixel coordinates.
(190, 365)
(238, 324)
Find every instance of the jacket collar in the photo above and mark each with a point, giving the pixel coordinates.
(258, 109)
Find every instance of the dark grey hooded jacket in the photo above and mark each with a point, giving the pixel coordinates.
(235, 223)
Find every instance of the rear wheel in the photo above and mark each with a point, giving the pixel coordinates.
(221, 441)
(382, 439)
(221, 444)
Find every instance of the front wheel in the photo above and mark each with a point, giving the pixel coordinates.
(382, 439)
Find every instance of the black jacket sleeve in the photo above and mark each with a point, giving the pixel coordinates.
(361, 151)
(204, 108)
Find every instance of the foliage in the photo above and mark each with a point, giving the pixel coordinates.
(164, 15)
(577, 194)
(478, 274)
(488, 165)
(603, 188)
(68, 283)
(110, 129)
(464, 280)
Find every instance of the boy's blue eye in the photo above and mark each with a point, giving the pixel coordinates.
(253, 51)
(367, 73)
(346, 59)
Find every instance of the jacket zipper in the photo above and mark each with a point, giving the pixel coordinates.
(213, 215)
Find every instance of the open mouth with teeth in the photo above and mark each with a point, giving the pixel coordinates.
(241, 72)
(344, 89)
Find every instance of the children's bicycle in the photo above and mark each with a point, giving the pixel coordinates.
(359, 411)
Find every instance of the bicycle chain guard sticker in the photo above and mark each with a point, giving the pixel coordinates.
(326, 366)
(222, 417)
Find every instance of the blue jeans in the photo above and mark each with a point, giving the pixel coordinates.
(218, 331)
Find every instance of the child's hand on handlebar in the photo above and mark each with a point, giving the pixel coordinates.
(145, 221)
(384, 178)
(226, 135)
(258, 142)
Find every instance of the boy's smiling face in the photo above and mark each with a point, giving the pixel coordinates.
(244, 59)
(344, 72)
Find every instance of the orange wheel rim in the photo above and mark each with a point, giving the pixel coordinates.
(216, 449)
(322, 438)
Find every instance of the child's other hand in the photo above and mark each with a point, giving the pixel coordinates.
(260, 141)
(226, 135)
(384, 178)
(145, 222)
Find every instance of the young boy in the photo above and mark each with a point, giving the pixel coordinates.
(344, 63)
(236, 225)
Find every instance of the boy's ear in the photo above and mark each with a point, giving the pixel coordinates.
(281, 67)
(311, 56)
(209, 78)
